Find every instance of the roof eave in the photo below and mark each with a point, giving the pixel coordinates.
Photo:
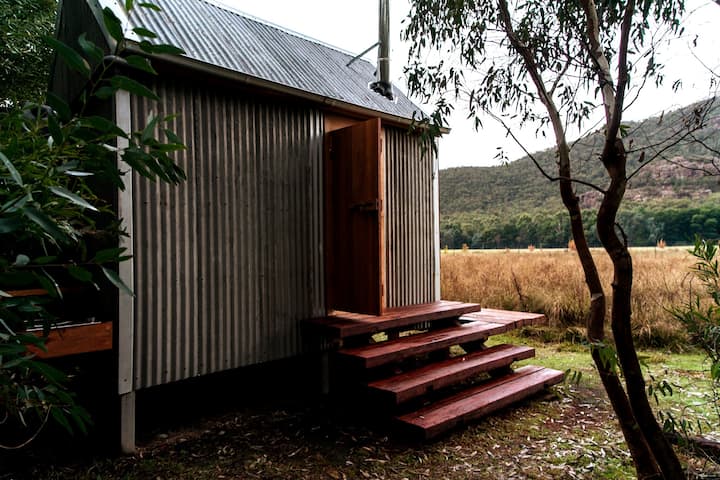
(250, 80)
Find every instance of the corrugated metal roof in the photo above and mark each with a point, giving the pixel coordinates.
(219, 36)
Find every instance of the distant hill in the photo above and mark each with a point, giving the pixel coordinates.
(470, 196)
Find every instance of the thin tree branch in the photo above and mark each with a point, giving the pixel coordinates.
(670, 142)
(613, 126)
(535, 161)
(595, 51)
(561, 75)
(705, 171)
(29, 440)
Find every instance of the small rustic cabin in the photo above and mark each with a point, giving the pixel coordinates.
(306, 198)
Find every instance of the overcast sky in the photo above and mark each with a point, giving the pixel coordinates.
(352, 26)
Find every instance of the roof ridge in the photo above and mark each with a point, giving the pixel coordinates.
(236, 11)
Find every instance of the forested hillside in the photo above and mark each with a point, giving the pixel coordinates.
(672, 197)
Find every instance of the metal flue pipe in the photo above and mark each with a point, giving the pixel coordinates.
(382, 85)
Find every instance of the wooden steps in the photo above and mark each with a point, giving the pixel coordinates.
(435, 376)
(412, 367)
(480, 400)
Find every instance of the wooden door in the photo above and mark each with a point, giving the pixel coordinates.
(354, 219)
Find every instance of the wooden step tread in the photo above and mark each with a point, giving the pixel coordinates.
(479, 401)
(507, 317)
(345, 324)
(408, 385)
(374, 355)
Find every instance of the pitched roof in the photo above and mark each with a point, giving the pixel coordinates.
(222, 37)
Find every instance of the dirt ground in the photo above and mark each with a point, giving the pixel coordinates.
(565, 434)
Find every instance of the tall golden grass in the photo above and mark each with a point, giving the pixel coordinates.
(551, 282)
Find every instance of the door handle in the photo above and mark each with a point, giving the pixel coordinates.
(369, 206)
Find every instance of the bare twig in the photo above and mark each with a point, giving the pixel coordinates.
(537, 163)
(33, 437)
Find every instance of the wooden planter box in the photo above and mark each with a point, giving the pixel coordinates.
(71, 339)
(74, 339)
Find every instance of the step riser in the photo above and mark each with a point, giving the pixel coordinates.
(437, 376)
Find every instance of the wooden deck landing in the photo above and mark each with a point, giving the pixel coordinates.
(340, 324)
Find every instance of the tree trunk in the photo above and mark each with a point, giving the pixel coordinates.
(645, 463)
(614, 159)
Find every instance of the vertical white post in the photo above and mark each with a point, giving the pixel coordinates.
(436, 221)
(126, 304)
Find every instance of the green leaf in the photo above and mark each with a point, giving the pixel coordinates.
(10, 349)
(21, 260)
(51, 374)
(141, 63)
(48, 283)
(10, 224)
(80, 273)
(105, 92)
(108, 255)
(117, 281)
(173, 137)
(70, 56)
(55, 130)
(151, 6)
(125, 83)
(92, 51)
(48, 225)
(15, 362)
(129, 5)
(59, 416)
(60, 106)
(103, 125)
(148, 132)
(144, 32)
(11, 168)
(167, 49)
(113, 25)
(76, 199)
(44, 260)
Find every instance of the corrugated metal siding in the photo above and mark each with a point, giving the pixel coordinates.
(228, 263)
(220, 36)
(409, 219)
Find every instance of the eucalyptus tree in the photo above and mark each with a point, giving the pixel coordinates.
(553, 66)
(24, 57)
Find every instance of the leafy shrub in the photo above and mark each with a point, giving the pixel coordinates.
(701, 313)
(55, 230)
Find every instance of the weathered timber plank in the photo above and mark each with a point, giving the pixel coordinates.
(408, 385)
(507, 317)
(480, 401)
(377, 354)
(75, 339)
(346, 324)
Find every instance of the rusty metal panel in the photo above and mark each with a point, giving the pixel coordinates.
(410, 219)
(230, 262)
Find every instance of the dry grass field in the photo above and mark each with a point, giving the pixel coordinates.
(551, 281)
